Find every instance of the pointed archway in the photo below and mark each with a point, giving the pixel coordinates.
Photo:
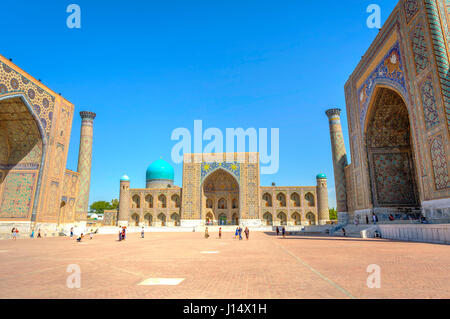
(220, 197)
(390, 153)
(22, 153)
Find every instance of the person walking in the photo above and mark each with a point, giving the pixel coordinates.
(283, 231)
(236, 233)
(220, 232)
(71, 232)
(142, 232)
(367, 220)
(123, 233)
(206, 233)
(120, 233)
(91, 234)
(246, 232)
(374, 218)
(13, 233)
(240, 233)
(343, 232)
(32, 233)
(39, 234)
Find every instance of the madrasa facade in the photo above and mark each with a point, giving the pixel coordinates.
(37, 192)
(222, 192)
(398, 113)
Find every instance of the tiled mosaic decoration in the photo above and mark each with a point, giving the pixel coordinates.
(389, 147)
(438, 33)
(429, 103)
(439, 161)
(389, 71)
(393, 179)
(232, 167)
(42, 102)
(17, 195)
(411, 8)
(419, 48)
(389, 124)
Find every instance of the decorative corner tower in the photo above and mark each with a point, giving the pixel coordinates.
(339, 161)
(322, 199)
(84, 164)
(124, 201)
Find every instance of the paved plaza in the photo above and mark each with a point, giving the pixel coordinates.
(266, 266)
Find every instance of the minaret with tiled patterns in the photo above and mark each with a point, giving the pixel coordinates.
(84, 164)
(339, 158)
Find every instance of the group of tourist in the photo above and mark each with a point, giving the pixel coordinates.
(79, 238)
(122, 233)
(237, 233)
(283, 231)
(15, 233)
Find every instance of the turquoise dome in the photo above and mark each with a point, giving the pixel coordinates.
(125, 178)
(321, 176)
(160, 170)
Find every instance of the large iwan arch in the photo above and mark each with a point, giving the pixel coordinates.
(389, 149)
(220, 188)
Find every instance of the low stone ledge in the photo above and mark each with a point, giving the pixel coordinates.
(434, 233)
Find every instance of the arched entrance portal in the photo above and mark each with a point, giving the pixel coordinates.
(389, 152)
(135, 219)
(268, 219)
(22, 145)
(220, 199)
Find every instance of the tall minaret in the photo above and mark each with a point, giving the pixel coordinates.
(322, 199)
(84, 164)
(124, 201)
(339, 160)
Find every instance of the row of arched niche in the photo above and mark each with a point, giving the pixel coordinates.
(295, 200)
(175, 201)
(222, 203)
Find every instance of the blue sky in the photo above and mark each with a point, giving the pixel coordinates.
(148, 67)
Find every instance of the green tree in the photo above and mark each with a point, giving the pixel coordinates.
(99, 207)
(114, 203)
(333, 213)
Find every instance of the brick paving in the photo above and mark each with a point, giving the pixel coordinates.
(266, 266)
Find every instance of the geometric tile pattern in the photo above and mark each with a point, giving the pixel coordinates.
(53, 201)
(220, 181)
(411, 7)
(22, 135)
(393, 179)
(41, 101)
(17, 195)
(390, 72)
(389, 123)
(419, 48)
(444, 10)
(429, 103)
(439, 160)
(440, 49)
(208, 168)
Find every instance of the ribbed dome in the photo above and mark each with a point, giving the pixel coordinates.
(125, 178)
(160, 169)
(321, 176)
